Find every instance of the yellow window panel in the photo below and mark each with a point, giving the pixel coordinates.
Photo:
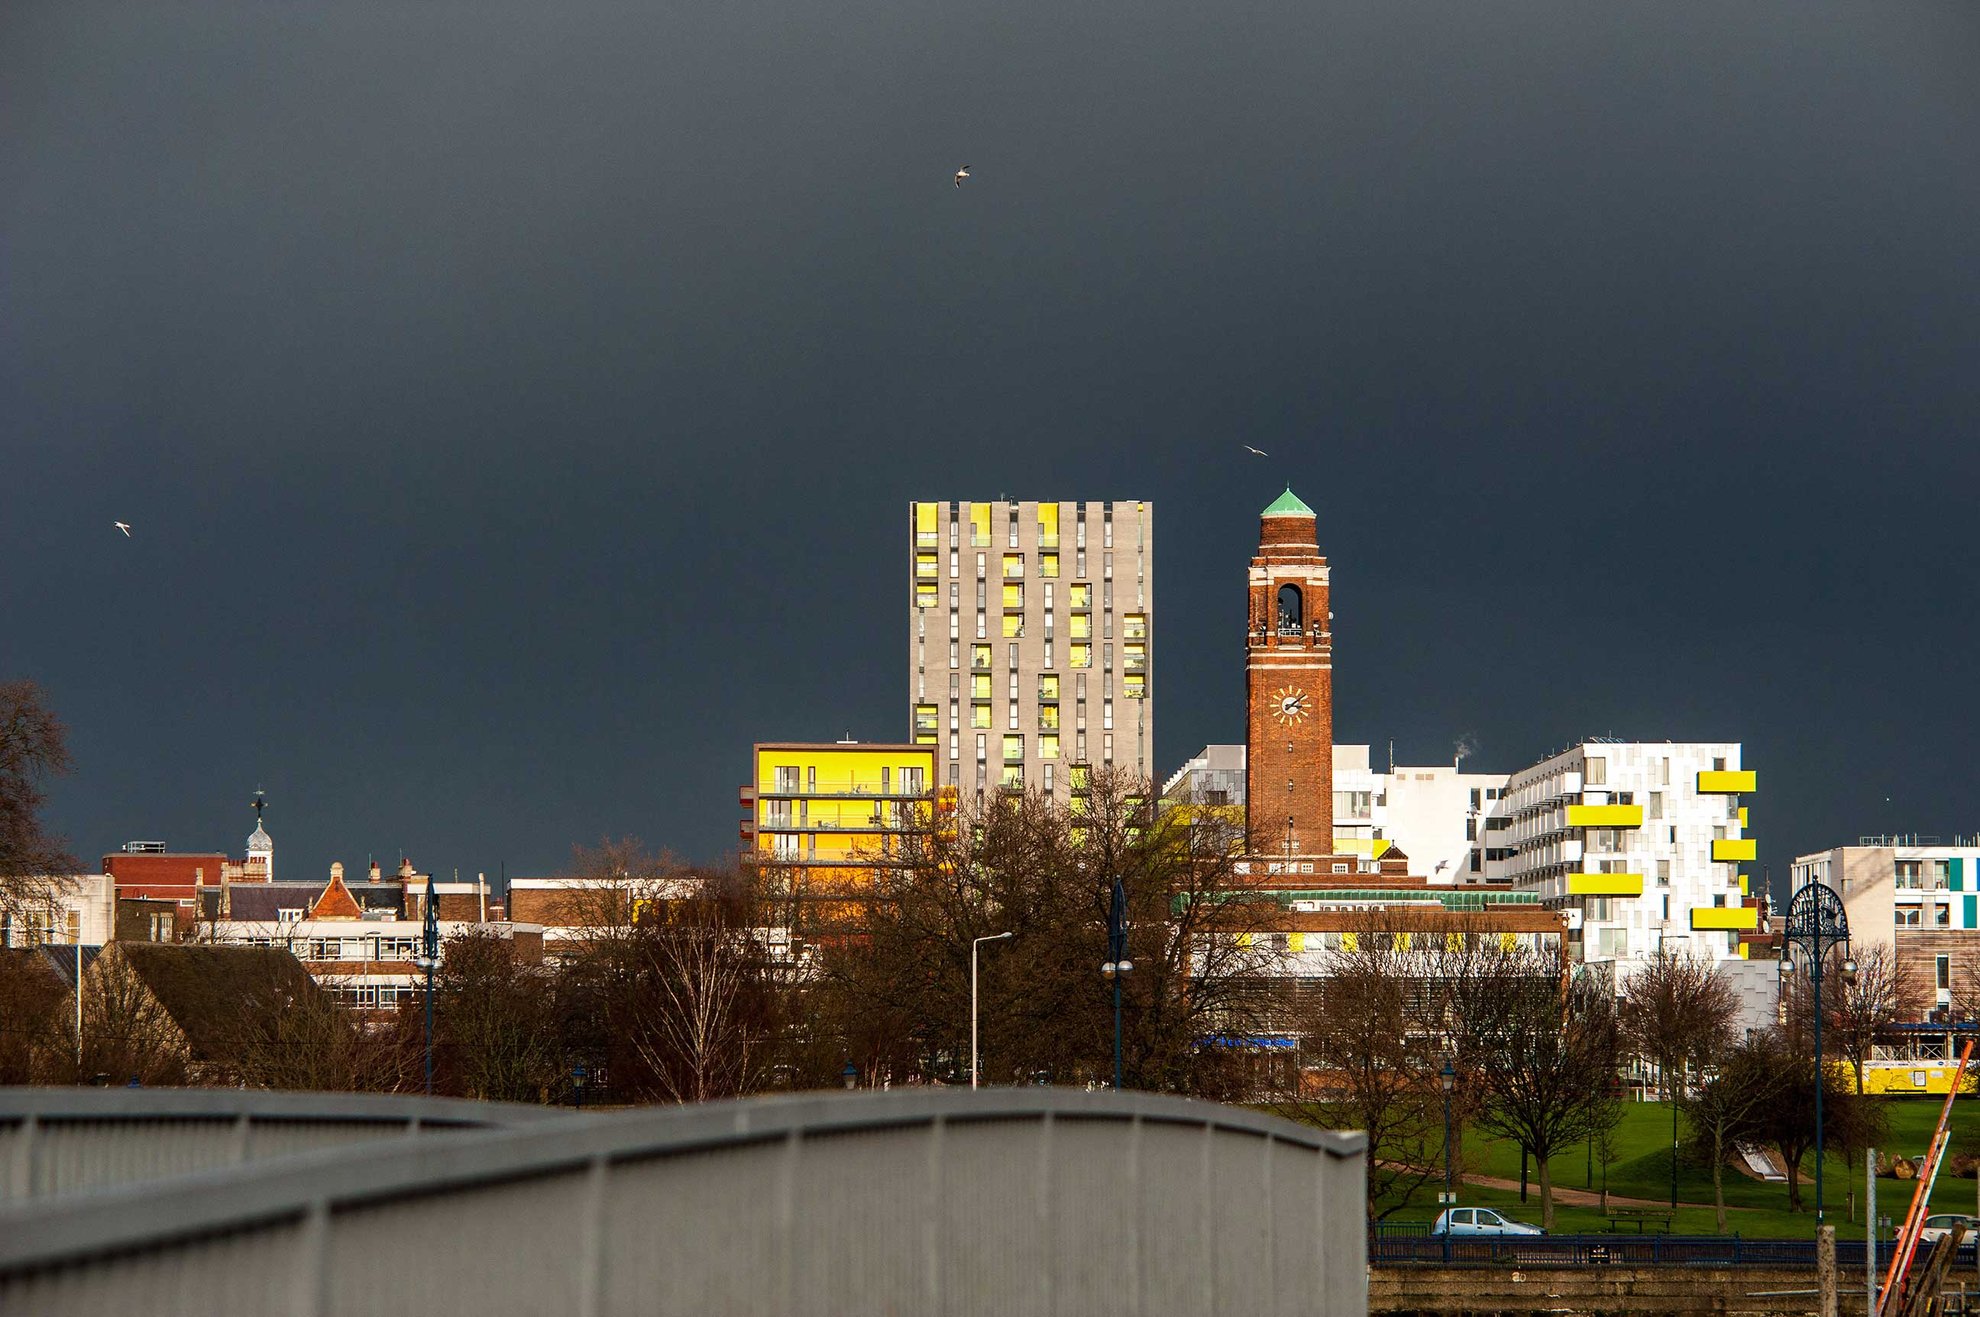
(1350, 942)
(979, 525)
(1014, 745)
(1014, 777)
(1013, 624)
(1295, 941)
(925, 564)
(1014, 596)
(925, 717)
(979, 656)
(1723, 782)
(1134, 686)
(1048, 746)
(1048, 715)
(924, 594)
(1134, 626)
(1080, 656)
(1082, 625)
(1048, 564)
(1013, 565)
(979, 715)
(1081, 595)
(925, 515)
(979, 686)
(1048, 524)
(1048, 686)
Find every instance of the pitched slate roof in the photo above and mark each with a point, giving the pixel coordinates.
(210, 990)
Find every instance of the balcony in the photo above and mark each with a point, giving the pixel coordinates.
(1721, 782)
(1605, 884)
(1731, 850)
(1605, 816)
(1736, 918)
(842, 789)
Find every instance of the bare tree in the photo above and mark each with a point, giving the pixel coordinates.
(492, 1021)
(1371, 1030)
(33, 747)
(1728, 1109)
(1858, 1007)
(1677, 1013)
(1542, 1051)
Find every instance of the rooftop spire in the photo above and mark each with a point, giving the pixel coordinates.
(1288, 504)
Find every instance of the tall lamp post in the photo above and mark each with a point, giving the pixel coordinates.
(1117, 964)
(973, 1050)
(1817, 926)
(428, 960)
(1448, 1077)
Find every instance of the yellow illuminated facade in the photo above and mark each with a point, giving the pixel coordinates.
(839, 807)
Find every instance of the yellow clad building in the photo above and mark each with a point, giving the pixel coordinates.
(833, 811)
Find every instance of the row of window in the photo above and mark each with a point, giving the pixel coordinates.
(927, 535)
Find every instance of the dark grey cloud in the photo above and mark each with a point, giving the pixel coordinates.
(515, 405)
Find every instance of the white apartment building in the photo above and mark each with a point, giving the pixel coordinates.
(1639, 842)
(1433, 814)
(76, 910)
(1031, 640)
(1915, 896)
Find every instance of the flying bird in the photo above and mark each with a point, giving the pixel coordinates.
(1258, 452)
(122, 527)
(961, 174)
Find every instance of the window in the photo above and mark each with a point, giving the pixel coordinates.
(912, 780)
(1048, 779)
(1048, 685)
(980, 747)
(1596, 772)
(1048, 745)
(979, 684)
(1906, 916)
(1080, 595)
(979, 715)
(1656, 804)
(1134, 656)
(1291, 611)
(979, 656)
(1080, 625)
(1048, 565)
(1048, 716)
(1663, 772)
(1107, 715)
(926, 595)
(1134, 626)
(1135, 686)
(787, 779)
(927, 564)
(1048, 642)
(1910, 875)
(1014, 596)
(1942, 972)
(979, 527)
(1012, 654)
(1013, 747)
(926, 719)
(1014, 624)
(1664, 875)
(1942, 916)
(1013, 778)
(1081, 655)
(955, 654)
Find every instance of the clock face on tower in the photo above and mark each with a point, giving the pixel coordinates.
(1290, 705)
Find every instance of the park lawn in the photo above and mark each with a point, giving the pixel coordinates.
(1641, 1168)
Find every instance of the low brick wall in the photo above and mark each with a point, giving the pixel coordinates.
(1481, 1291)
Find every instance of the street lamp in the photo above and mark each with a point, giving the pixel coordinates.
(1448, 1077)
(1117, 965)
(578, 1073)
(428, 960)
(851, 1075)
(973, 1050)
(1818, 926)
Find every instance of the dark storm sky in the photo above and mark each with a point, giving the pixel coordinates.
(516, 405)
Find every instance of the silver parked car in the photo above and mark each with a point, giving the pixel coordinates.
(1479, 1221)
(1936, 1226)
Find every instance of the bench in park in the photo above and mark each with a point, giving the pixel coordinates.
(1619, 1216)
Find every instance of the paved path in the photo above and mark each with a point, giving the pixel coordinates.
(1586, 1197)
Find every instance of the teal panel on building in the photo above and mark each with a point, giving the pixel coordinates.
(1959, 876)
(1972, 909)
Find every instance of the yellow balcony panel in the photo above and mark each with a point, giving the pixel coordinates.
(1605, 884)
(1734, 849)
(1373, 847)
(1725, 782)
(1605, 816)
(1726, 917)
(1742, 818)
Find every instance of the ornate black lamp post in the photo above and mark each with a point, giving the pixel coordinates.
(428, 959)
(1818, 926)
(1117, 964)
(1448, 1076)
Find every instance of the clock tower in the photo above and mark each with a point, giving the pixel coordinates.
(1289, 690)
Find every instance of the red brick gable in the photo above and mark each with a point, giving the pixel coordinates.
(336, 902)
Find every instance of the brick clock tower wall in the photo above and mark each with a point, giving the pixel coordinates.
(1289, 689)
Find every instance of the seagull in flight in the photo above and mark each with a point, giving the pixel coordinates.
(122, 527)
(1257, 452)
(961, 174)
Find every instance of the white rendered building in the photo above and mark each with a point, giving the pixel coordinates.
(1640, 842)
(1914, 896)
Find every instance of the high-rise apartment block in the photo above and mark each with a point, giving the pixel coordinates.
(1640, 842)
(1919, 899)
(1031, 640)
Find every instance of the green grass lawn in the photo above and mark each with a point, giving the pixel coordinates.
(1641, 1168)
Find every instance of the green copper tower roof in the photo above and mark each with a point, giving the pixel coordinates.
(1287, 505)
